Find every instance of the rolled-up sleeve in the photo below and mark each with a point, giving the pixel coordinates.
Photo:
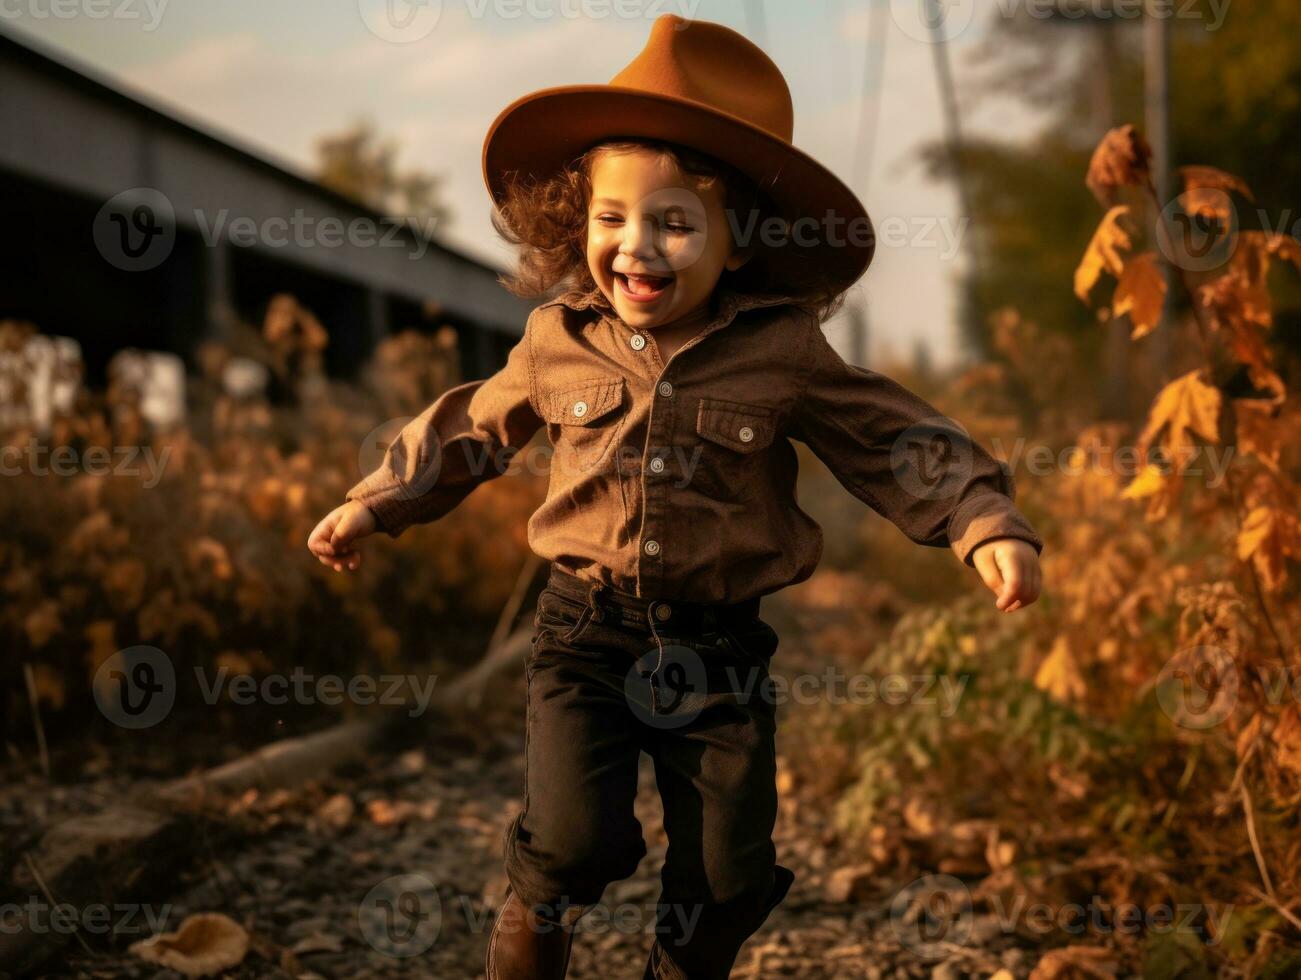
(899, 455)
(454, 445)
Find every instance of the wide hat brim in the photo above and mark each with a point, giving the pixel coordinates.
(540, 133)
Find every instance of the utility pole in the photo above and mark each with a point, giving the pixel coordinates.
(1156, 74)
(856, 315)
(975, 320)
(1100, 25)
(1116, 345)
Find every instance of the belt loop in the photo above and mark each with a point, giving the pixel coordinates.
(594, 601)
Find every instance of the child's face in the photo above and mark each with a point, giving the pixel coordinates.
(647, 217)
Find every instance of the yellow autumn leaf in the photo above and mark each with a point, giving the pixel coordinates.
(1184, 408)
(1269, 536)
(1140, 293)
(1103, 253)
(1058, 674)
(1150, 481)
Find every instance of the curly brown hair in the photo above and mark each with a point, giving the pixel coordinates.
(546, 221)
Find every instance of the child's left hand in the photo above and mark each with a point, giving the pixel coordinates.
(1010, 567)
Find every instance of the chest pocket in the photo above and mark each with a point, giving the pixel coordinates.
(732, 434)
(739, 426)
(583, 420)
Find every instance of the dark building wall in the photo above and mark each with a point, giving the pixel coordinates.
(69, 144)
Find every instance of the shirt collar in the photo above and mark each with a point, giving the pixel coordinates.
(730, 303)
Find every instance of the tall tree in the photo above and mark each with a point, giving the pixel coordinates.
(1236, 99)
(358, 163)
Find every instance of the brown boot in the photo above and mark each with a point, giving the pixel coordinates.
(524, 947)
(661, 966)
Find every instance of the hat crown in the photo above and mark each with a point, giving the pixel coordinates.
(713, 65)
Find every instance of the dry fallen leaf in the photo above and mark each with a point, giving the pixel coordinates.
(1076, 963)
(206, 943)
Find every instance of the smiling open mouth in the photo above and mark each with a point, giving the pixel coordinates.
(642, 288)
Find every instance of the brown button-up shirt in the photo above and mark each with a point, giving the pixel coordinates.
(677, 480)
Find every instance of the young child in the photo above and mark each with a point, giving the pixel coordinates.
(682, 355)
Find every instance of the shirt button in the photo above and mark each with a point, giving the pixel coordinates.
(657, 465)
(746, 433)
(580, 409)
(637, 341)
(652, 547)
(665, 389)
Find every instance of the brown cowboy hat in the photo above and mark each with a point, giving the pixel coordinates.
(705, 86)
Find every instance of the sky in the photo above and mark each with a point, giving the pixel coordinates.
(273, 76)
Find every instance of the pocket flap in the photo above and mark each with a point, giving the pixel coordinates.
(582, 403)
(736, 425)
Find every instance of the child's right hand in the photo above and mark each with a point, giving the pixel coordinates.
(332, 540)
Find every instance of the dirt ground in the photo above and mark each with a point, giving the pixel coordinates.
(309, 871)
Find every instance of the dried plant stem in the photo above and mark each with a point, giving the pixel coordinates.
(32, 696)
(1204, 332)
(1255, 841)
(1278, 907)
(49, 897)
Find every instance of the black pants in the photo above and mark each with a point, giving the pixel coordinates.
(610, 676)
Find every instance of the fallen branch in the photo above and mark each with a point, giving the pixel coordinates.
(125, 847)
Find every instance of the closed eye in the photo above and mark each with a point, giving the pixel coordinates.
(611, 220)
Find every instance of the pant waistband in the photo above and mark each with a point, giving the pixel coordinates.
(611, 605)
